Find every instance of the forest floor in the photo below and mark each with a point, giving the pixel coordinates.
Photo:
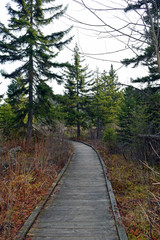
(137, 190)
(25, 179)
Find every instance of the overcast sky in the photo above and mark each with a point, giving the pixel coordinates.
(100, 44)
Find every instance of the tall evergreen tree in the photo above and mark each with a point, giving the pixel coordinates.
(77, 87)
(24, 41)
(106, 100)
(149, 55)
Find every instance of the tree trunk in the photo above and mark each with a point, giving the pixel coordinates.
(98, 122)
(30, 80)
(78, 123)
(78, 129)
(98, 128)
(30, 111)
(154, 35)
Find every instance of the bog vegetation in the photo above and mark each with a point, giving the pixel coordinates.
(123, 123)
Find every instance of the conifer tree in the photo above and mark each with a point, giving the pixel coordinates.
(17, 100)
(24, 41)
(77, 87)
(44, 104)
(106, 100)
(149, 56)
(148, 53)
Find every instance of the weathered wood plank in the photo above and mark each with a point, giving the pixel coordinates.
(83, 225)
(100, 237)
(72, 232)
(80, 208)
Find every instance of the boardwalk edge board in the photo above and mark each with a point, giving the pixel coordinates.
(31, 219)
(118, 220)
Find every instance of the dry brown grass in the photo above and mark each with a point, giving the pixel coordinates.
(137, 190)
(26, 178)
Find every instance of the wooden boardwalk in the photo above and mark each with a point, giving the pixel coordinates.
(80, 208)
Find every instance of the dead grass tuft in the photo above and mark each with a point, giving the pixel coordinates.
(137, 190)
(26, 177)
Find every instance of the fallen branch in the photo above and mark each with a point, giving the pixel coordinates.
(156, 137)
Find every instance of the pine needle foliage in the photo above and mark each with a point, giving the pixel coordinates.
(148, 53)
(78, 80)
(24, 41)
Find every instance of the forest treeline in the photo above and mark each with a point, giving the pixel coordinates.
(94, 106)
(92, 100)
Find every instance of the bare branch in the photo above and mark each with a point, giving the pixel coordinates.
(154, 150)
(120, 50)
(107, 25)
(107, 8)
(87, 24)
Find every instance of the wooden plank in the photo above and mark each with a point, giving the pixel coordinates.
(80, 208)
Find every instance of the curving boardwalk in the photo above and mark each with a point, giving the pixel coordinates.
(80, 207)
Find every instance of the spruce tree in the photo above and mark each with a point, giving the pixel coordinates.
(149, 56)
(76, 89)
(106, 100)
(44, 105)
(148, 53)
(24, 41)
(17, 100)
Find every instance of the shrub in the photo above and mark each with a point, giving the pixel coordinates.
(110, 137)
